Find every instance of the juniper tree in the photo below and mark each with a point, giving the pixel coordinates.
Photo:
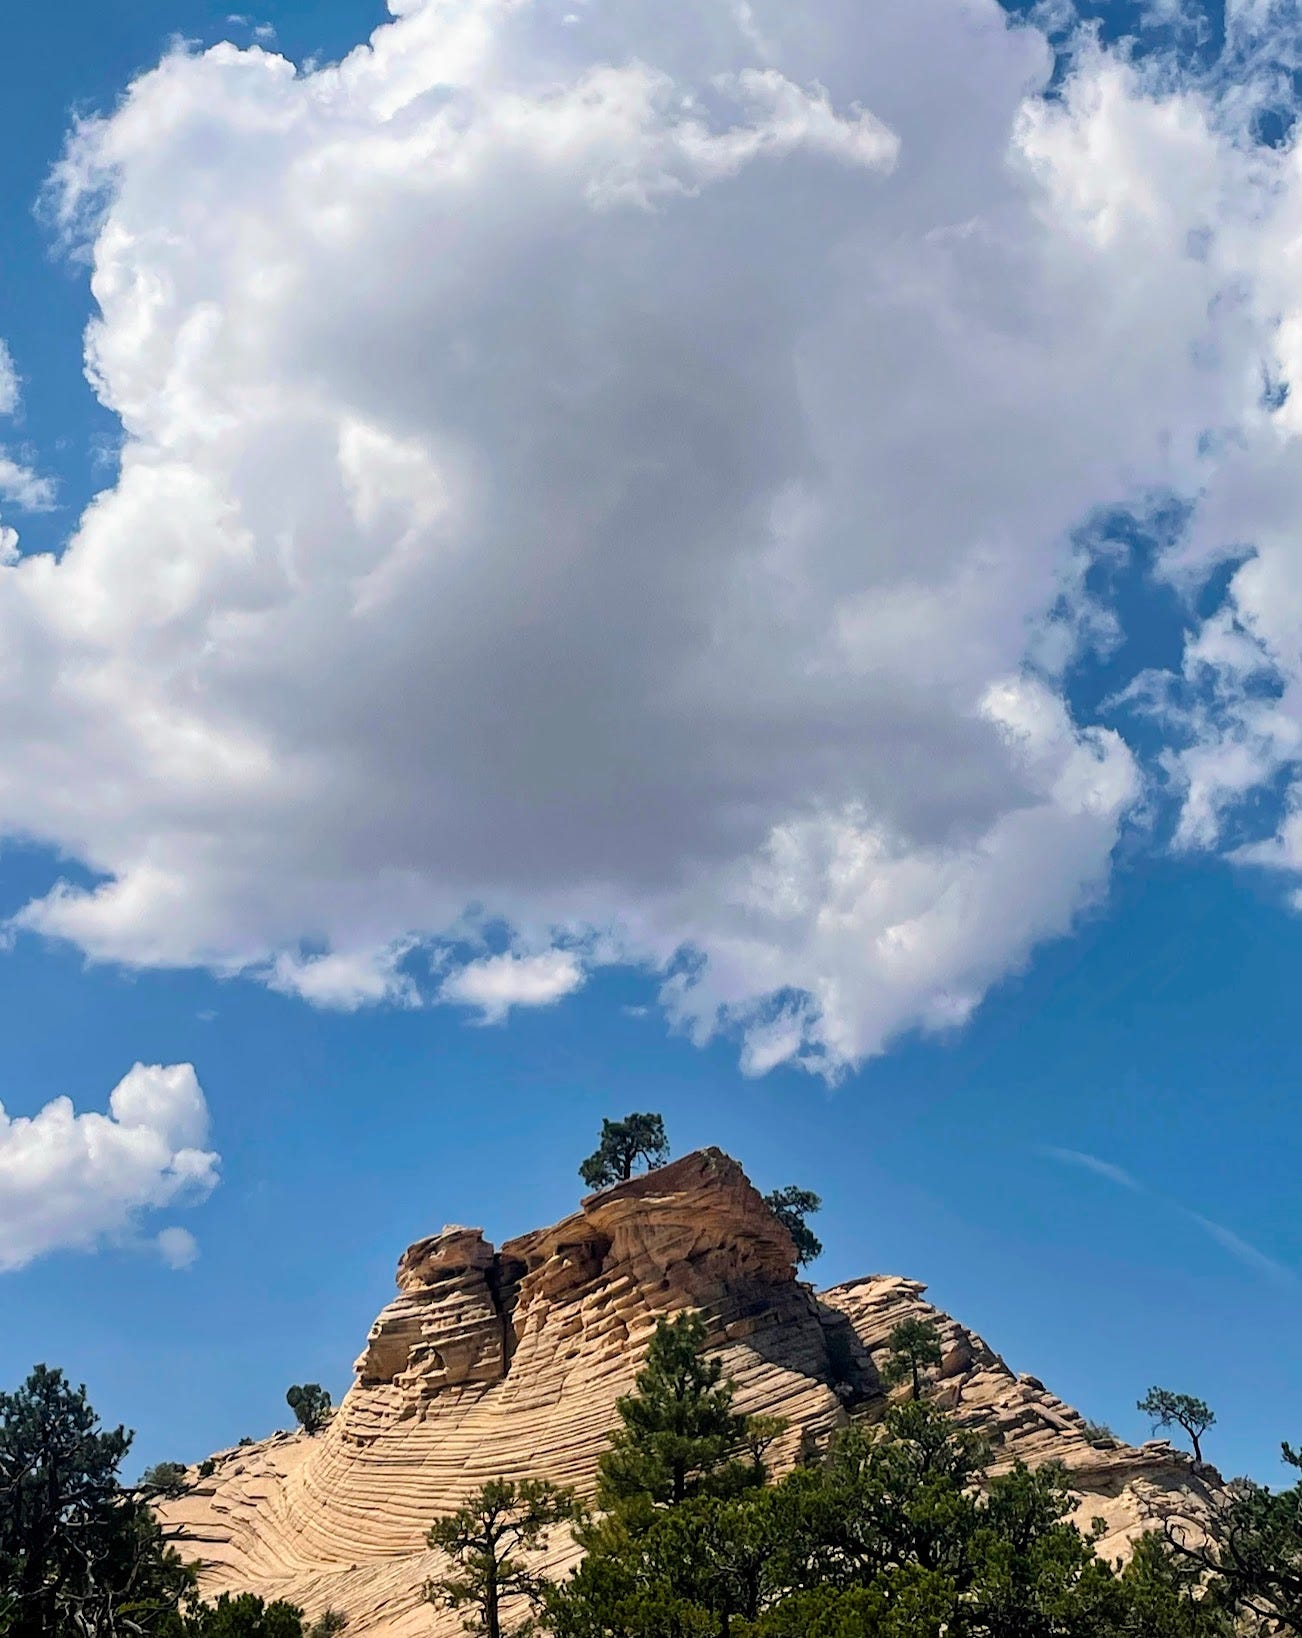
(791, 1206)
(623, 1144)
(484, 1539)
(1169, 1409)
(911, 1347)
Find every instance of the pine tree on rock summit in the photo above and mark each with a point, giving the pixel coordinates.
(310, 1403)
(791, 1206)
(1169, 1409)
(623, 1144)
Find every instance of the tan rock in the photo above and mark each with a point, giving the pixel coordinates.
(508, 1364)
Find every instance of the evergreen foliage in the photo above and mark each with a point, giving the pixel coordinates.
(1169, 1409)
(1255, 1555)
(891, 1537)
(623, 1144)
(329, 1625)
(310, 1403)
(912, 1347)
(78, 1553)
(791, 1206)
(164, 1479)
(484, 1539)
(680, 1435)
(243, 1615)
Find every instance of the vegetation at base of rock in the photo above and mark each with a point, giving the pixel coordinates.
(791, 1206)
(310, 1403)
(329, 1625)
(1182, 1410)
(912, 1348)
(1099, 1433)
(83, 1555)
(1255, 1550)
(898, 1533)
(623, 1144)
(242, 1615)
(680, 1436)
(484, 1539)
(76, 1548)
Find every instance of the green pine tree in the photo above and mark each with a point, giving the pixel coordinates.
(680, 1435)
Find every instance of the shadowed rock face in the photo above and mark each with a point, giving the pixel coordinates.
(508, 1364)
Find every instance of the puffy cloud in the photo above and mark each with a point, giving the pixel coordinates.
(614, 474)
(497, 983)
(71, 1182)
(177, 1247)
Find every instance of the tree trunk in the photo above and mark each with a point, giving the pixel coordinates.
(491, 1618)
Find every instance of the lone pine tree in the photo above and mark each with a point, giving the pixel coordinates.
(623, 1144)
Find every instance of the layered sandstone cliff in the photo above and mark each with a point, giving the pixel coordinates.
(508, 1364)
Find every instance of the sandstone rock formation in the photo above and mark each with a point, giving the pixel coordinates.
(509, 1363)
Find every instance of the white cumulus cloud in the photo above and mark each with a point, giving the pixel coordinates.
(72, 1182)
(497, 983)
(620, 483)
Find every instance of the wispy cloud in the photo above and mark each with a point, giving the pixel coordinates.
(1239, 1248)
(1092, 1163)
(1245, 1252)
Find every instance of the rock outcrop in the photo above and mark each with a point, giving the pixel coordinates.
(508, 1363)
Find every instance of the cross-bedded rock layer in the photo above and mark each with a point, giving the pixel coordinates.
(508, 1364)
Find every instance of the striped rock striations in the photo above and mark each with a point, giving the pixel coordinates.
(508, 1363)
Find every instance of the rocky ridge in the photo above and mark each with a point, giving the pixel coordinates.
(507, 1363)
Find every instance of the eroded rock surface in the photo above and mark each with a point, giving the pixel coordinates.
(508, 1364)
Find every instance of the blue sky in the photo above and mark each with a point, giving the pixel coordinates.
(1055, 1077)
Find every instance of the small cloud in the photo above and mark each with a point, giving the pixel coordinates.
(500, 982)
(22, 485)
(177, 1247)
(207, 1015)
(1092, 1163)
(10, 383)
(265, 33)
(343, 980)
(635, 1012)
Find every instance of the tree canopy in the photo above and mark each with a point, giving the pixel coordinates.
(310, 1403)
(623, 1144)
(1182, 1410)
(78, 1553)
(484, 1540)
(791, 1206)
(1255, 1549)
(912, 1347)
(679, 1434)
